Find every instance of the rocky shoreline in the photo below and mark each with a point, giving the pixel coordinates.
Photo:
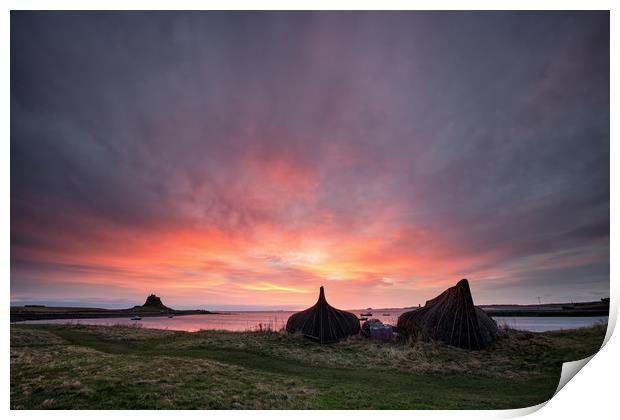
(153, 307)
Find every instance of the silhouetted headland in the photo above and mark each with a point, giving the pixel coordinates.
(153, 306)
(596, 308)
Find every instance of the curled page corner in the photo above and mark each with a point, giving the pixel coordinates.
(570, 369)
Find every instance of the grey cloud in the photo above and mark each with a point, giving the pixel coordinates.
(490, 128)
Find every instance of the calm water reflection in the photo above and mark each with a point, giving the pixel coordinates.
(244, 321)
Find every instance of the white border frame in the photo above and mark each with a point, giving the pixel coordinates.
(592, 395)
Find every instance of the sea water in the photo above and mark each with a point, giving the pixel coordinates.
(275, 320)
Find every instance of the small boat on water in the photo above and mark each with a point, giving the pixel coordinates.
(387, 314)
(136, 318)
(366, 314)
(170, 316)
(363, 319)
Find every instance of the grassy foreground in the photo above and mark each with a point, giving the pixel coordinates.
(98, 367)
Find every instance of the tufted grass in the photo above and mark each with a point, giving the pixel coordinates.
(118, 367)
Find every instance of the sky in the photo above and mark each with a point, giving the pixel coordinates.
(229, 160)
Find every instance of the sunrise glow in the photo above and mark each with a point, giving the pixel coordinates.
(229, 168)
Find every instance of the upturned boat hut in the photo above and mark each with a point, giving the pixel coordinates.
(324, 323)
(451, 318)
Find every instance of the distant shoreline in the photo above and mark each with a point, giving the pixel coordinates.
(39, 312)
(543, 313)
(21, 313)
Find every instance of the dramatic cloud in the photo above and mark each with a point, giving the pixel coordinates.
(248, 158)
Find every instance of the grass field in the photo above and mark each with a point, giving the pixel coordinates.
(98, 367)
